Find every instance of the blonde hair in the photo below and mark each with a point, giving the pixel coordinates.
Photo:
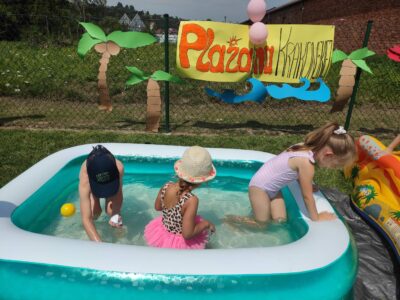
(341, 143)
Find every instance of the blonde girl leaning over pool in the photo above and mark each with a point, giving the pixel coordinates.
(329, 146)
(179, 226)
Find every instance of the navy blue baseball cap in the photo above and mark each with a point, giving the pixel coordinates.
(103, 172)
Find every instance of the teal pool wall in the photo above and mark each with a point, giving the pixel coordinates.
(23, 280)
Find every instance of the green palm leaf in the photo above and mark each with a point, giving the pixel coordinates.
(338, 55)
(86, 43)
(362, 65)
(95, 31)
(136, 76)
(361, 54)
(134, 80)
(131, 39)
(164, 76)
(137, 72)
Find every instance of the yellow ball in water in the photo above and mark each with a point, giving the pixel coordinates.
(67, 210)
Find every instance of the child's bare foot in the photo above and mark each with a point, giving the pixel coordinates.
(234, 226)
(240, 220)
(237, 219)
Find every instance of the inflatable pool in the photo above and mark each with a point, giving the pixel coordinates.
(319, 263)
(376, 194)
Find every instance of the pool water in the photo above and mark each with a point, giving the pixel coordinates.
(56, 264)
(225, 195)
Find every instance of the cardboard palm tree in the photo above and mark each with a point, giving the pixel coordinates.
(347, 74)
(107, 46)
(153, 113)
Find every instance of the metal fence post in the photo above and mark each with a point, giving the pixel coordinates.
(357, 79)
(166, 67)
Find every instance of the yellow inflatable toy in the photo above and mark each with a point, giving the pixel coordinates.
(67, 210)
(376, 192)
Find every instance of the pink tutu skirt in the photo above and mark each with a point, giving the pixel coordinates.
(156, 235)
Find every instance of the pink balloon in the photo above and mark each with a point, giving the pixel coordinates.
(256, 10)
(258, 33)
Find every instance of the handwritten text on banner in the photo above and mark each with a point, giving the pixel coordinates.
(214, 51)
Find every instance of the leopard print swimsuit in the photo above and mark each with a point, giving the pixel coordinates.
(172, 217)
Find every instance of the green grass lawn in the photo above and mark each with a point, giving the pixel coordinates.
(20, 149)
(55, 71)
(51, 87)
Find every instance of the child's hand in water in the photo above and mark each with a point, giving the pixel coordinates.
(115, 221)
(210, 227)
(326, 216)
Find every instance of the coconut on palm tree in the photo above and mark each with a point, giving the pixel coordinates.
(108, 45)
(347, 74)
(153, 93)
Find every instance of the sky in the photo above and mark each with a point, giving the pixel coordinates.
(216, 10)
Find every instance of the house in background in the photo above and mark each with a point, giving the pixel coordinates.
(125, 21)
(136, 24)
(350, 18)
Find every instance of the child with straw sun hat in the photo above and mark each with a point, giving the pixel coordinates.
(179, 226)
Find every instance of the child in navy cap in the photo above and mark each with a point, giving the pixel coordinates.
(100, 177)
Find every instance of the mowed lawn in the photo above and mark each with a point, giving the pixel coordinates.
(20, 149)
(50, 86)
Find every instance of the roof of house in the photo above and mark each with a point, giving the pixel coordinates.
(124, 19)
(136, 22)
(290, 3)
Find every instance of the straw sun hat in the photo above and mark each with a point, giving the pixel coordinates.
(195, 166)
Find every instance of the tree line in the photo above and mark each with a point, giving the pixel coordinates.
(57, 21)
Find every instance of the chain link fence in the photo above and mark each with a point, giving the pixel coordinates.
(49, 86)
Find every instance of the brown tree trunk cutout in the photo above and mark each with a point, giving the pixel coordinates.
(346, 85)
(153, 106)
(106, 49)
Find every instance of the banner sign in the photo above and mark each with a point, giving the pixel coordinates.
(222, 52)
